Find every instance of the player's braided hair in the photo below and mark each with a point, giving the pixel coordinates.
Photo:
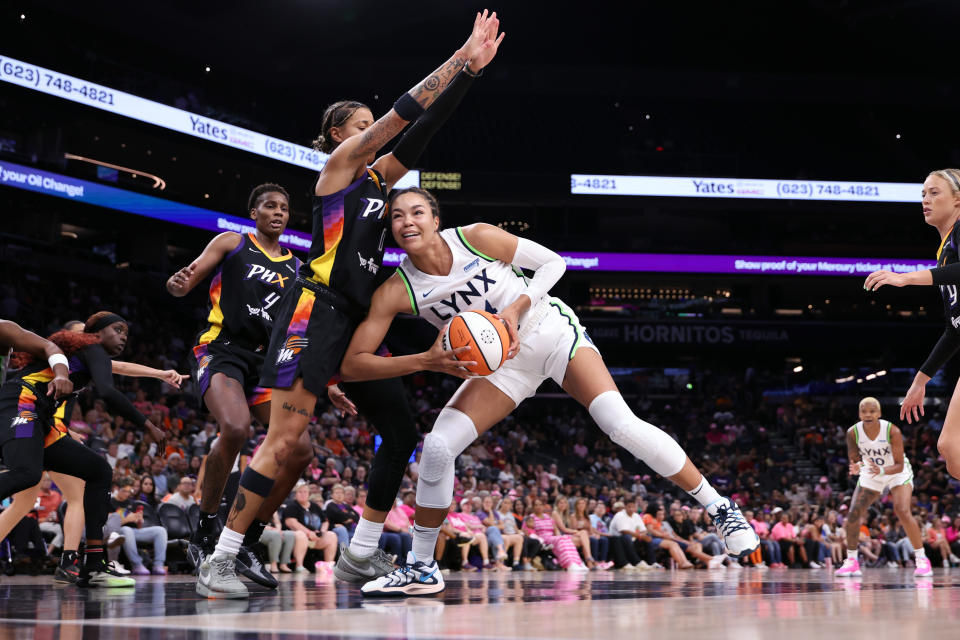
(335, 116)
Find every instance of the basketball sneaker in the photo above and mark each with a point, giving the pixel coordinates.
(924, 568)
(217, 578)
(250, 565)
(101, 575)
(740, 538)
(68, 572)
(351, 568)
(413, 579)
(850, 569)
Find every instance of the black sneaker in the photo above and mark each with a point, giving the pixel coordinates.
(199, 548)
(250, 565)
(68, 573)
(101, 575)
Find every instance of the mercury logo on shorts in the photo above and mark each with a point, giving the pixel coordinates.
(293, 345)
(24, 417)
(204, 361)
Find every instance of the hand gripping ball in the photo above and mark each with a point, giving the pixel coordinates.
(486, 336)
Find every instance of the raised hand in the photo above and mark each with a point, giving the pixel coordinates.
(488, 50)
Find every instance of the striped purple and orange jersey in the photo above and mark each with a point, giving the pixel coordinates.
(244, 289)
(349, 231)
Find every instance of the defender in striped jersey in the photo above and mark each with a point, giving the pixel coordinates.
(875, 451)
(479, 267)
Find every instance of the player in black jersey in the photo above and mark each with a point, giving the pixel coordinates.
(941, 209)
(318, 316)
(250, 274)
(26, 417)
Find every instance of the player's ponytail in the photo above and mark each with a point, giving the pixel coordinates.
(335, 116)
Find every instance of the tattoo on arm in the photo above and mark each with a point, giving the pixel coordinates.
(433, 85)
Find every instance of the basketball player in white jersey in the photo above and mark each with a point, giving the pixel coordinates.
(478, 267)
(875, 451)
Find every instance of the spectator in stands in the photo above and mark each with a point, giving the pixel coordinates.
(581, 539)
(343, 519)
(786, 535)
(545, 528)
(936, 538)
(176, 466)
(146, 491)
(159, 477)
(513, 538)
(48, 500)
(494, 529)
(281, 544)
(183, 497)
(835, 537)
(469, 525)
(599, 545)
(397, 538)
(309, 517)
(134, 531)
(655, 521)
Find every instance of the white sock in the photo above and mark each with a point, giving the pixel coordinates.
(229, 543)
(705, 494)
(366, 538)
(424, 542)
(852, 555)
(919, 553)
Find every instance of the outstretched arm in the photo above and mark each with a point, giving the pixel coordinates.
(134, 370)
(354, 153)
(361, 361)
(15, 336)
(184, 280)
(98, 364)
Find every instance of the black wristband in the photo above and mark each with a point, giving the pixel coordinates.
(466, 70)
(408, 108)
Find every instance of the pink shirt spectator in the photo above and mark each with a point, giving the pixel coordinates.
(783, 530)
(761, 527)
(951, 534)
(398, 518)
(407, 509)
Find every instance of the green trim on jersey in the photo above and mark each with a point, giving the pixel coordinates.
(406, 283)
(889, 426)
(856, 432)
(577, 331)
(470, 248)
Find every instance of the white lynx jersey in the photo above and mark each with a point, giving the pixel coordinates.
(878, 450)
(475, 282)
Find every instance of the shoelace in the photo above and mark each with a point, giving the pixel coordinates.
(225, 569)
(730, 520)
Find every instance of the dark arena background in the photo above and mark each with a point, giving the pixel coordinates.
(720, 180)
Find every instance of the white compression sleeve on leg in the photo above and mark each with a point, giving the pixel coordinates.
(546, 265)
(642, 439)
(452, 433)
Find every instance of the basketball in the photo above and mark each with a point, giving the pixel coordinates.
(486, 336)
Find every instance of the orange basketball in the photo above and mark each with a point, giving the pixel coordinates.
(486, 336)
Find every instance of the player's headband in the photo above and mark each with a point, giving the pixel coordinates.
(105, 322)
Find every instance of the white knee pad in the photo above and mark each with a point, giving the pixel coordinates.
(642, 439)
(452, 433)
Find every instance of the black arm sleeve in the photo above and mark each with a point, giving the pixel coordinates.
(946, 346)
(414, 141)
(948, 274)
(98, 364)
